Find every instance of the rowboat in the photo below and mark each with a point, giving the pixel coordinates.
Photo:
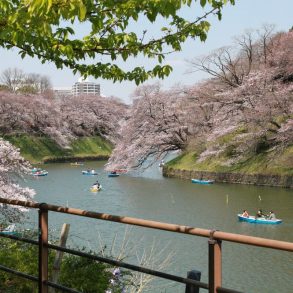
(96, 189)
(34, 170)
(199, 181)
(40, 173)
(9, 230)
(89, 172)
(113, 175)
(261, 220)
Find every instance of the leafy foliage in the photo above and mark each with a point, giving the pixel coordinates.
(76, 272)
(22, 257)
(84, 274)
(47, 29)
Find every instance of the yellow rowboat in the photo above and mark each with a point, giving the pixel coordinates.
(95, 189)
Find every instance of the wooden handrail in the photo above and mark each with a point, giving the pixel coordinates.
(214, 234)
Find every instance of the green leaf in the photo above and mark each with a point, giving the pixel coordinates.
(203, 3)
(82, 12)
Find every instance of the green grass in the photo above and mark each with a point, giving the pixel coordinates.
(230, 136)
(39, 149)
(275, 162)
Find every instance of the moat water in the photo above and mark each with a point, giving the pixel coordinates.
(150, 196)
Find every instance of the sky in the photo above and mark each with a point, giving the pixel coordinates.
(245, 14)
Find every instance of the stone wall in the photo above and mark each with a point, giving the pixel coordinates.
(257, 179)
(75, 159)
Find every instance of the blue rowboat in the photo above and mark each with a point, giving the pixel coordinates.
(113, 175)
(199, 181)
(262, 220)
(89, 173)
(34, 170)
(10, 230)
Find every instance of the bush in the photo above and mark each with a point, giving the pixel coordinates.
(79, 273)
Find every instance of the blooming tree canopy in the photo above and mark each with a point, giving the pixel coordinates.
(12, 165)
(260, 103)
(157, 124)
(48, 29)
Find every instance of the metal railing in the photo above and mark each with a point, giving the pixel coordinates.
(215, 239)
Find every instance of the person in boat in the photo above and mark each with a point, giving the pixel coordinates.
(272, 216)
(96, 185)
(260, 214)
(245, 214)
(93, 171)
(113, 172)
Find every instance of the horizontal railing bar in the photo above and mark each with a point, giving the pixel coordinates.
(23, 203)
(131, 267)
(20, 274)
(64, 289)
(34, 242)
(35, 279)
(225, 290)
(237, 238)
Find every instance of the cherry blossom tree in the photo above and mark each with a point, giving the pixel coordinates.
(11, 113)
(284, 133)
(93, 115)
(281, 56)
(12, 166)
(33, 114)
(157, 124)
(258, 99)
(231, 64)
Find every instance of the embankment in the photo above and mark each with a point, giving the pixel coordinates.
(254, 179)
(41, 149)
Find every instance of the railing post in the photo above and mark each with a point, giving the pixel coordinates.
(43, 248)
(215, 263)
(194, 275)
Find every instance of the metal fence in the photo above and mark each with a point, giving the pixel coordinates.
(215, 239)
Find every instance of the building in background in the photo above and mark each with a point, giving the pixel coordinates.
(61, 92)
(85, 87)
(81, 87)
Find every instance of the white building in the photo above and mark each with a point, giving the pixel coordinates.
(82, 87)
(62, 92)
(85, 87)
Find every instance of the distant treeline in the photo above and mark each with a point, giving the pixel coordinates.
(60, 119)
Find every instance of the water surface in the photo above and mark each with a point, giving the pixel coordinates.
(152, 197)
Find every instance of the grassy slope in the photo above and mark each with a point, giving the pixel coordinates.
(275, 162)
(37, 149)
(270, 161)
